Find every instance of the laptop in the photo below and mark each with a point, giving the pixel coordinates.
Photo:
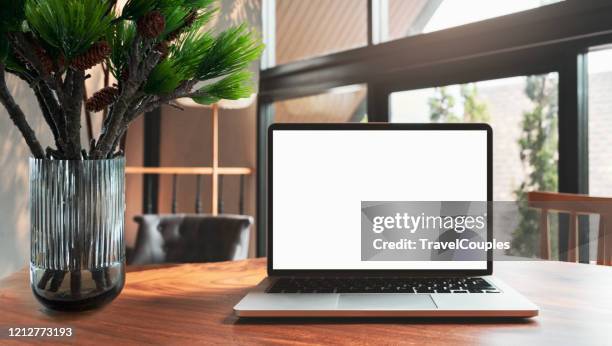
(341, 200)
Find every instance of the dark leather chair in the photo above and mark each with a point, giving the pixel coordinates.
(190, 238)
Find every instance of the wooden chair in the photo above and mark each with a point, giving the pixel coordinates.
(574, 205)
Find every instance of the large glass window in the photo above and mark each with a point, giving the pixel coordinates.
(413, 17)
(522, 112)
(305, 29)
(338, 105)
(600, 122)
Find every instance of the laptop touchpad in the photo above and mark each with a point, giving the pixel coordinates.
(385, 301)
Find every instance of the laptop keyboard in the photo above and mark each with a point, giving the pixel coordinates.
(382, 285)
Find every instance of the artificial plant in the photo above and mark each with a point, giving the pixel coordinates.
(157, 50)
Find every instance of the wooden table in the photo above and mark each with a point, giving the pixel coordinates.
(192, 303)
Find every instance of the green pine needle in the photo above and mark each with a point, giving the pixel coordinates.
(135, 9)
(175, 17)
(191, 49)
(197, 4)
(71, 26)
(164, 79)
(197, 55)
(233, 50)
(182, 64)
(120, 37)
(235, 86)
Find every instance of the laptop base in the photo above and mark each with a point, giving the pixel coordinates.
(507, 303)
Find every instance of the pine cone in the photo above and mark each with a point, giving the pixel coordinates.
(189, 20)
(163, 48)
(94, 55)
(102, 99)
(151, 24)
(45, 61)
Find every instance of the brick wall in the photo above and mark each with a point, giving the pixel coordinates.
(506, 104)
(600, 134)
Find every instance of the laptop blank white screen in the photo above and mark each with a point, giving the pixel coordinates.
(320, 178)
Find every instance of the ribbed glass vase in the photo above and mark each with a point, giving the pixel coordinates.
(77, 232)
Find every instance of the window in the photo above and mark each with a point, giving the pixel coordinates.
(305, 29)
(519, 109)
(600, 122)
(413, 17)
(504, 47)
(343, 104)
(523, 114)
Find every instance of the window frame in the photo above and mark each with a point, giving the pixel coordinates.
(524, 43)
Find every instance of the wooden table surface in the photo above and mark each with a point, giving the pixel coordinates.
(192, 304)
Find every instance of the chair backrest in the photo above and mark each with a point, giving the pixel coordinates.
(574, 205)
(191, 238)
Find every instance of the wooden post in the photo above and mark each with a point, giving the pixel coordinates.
(241, 196)
(198, 197)
(220, 192)
(601, 240)
(572, 244)
(544, 235)
(90, 134)
(174, 187)
(215, 159)
(607, 242)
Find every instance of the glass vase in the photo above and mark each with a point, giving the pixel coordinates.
(77, 210)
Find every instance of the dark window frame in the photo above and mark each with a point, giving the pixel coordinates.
(552, 38)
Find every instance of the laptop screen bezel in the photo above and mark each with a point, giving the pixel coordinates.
(369, 127)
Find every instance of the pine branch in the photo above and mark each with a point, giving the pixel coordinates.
(131, 114)
(48, 105)
(139, 99)
(55, 109)
(233, 86)
(114, 119)
(25, 50)
(73, 86)
(182, 91)
(139, 69)
(49, 83)
(18, 118)
(136, 104)
(110, 131)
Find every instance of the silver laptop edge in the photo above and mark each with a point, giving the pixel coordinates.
(506, 303)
